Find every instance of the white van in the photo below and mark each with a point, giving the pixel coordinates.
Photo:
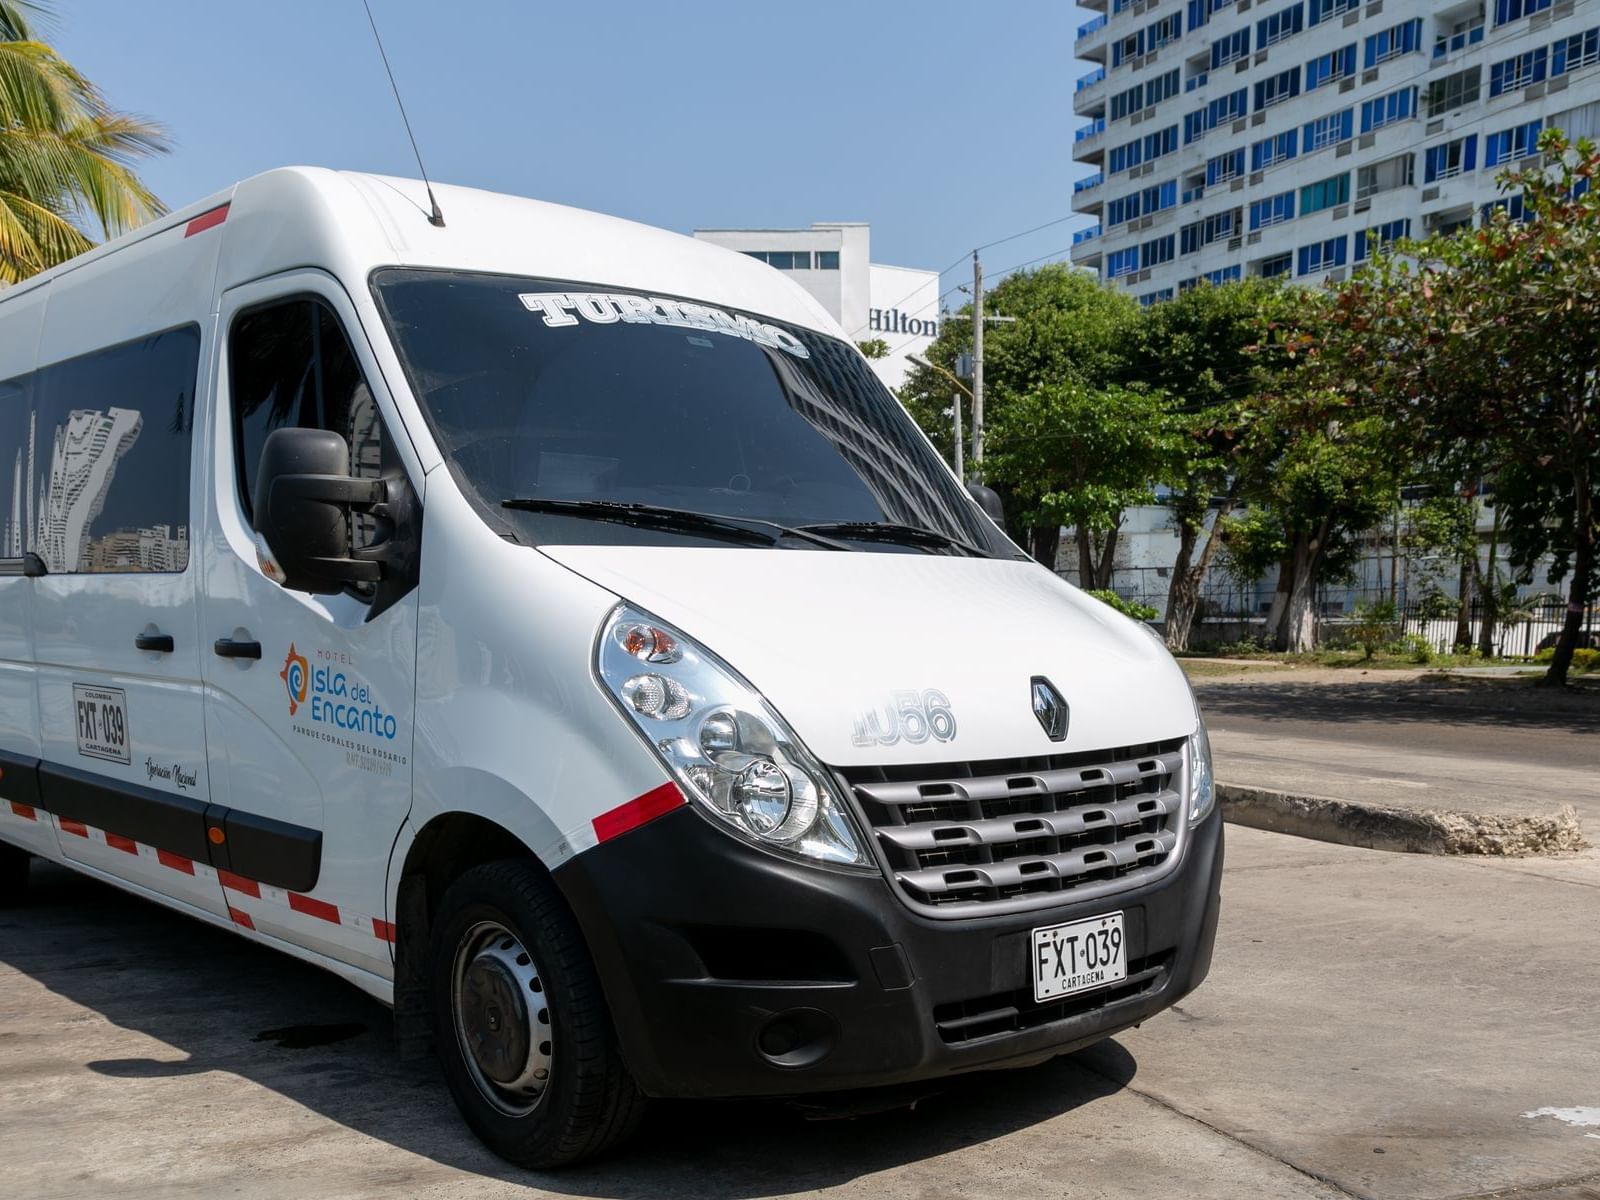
(550, 625)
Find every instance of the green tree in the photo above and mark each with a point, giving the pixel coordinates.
(874, 348)
(66, 157)
(1067, 330)
(1491, 339)
(1200, 350)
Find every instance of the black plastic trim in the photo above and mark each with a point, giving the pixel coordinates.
(260, 848)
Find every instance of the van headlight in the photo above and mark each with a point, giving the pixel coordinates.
(1202, 784)
(728, 750)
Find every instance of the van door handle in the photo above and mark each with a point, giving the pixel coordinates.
(161, 643)
(228, 648)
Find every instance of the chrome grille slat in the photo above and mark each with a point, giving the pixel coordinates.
(968, 839)
(1005, 830)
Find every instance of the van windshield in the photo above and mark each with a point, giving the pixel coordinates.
(568, 411)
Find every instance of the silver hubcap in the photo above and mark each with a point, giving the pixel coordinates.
(501, 1017)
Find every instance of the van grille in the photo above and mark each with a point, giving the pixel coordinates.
(1013, 834)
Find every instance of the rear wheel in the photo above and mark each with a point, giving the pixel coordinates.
(13, 874)
(521, 1024)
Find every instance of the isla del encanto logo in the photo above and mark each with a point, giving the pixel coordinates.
(296, 676)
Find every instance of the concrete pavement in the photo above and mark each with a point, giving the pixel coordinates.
(1504, 773)
(1375, 1025)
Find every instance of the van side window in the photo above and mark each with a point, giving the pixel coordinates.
(16, 467)
(291, 365)
(100, 467)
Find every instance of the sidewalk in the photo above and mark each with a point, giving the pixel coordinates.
(1399, 761)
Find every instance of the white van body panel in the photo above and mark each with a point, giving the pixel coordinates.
(831, 638)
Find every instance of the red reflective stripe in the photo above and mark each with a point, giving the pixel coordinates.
(77, 827)
(24, 811)
(176, 861)
(241, 918)
(126, 844)
(205, 221)
(383, 930)
(239, 883)
(313, 908)
(636, 812)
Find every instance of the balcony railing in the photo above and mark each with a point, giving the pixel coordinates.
(1098, 125)
(1087, 182)
(1089, 27)
(1445, 47)
(1085, 235)
(1092, 78)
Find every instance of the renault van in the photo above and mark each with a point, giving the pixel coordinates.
(551, 626)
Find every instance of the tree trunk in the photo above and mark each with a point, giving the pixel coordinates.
(1299, 632)
(1085, 558)
(1489, 587)
(1108, 556)
(1044, 543)
(1279, 607)
(1583, 562)
(1183, 594)
(1463, 640)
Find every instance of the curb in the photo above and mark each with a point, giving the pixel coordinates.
(1410, 831)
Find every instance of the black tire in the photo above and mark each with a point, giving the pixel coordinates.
(588, 1102)
(13, 874)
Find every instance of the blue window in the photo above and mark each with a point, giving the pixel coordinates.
(1370, 240)
(1322, 256)
(1219, 5)
(1517, 71)
(1451, 159)
(1157, 297)
(1336, 64)
(1129, 101)
(1161, 87)
(1324, 193)
(1277, 89)
(1197, 13)
(1510, 205)
(1225, 275)
(1224, 167)
(1122, 262)
(1124, 158)
(1274, 210)
(1227, 49)
(1280, 147)
(1513, 10)
(1157, 144)
(1321, 10)
(1282, 24)
(1280, 264)
(1142, 203)
(1154, 253)
(1386, 110)
(1579, 50)
(1232, 107)
(1330, 130)
(1215, 228)
(1510, 144)
(1405, 38)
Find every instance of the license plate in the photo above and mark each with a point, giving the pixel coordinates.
(102, 715)
(1078, 956)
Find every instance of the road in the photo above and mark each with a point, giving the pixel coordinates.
(1349, 741)
(1376, 1025)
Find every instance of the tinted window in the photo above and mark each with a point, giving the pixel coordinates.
(111, 444)
(548, 391)
(16, 463)
(291, 365)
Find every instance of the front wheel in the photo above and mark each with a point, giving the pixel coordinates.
(520, 1022)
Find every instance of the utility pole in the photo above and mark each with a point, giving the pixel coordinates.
(977, 369)
(961, 470)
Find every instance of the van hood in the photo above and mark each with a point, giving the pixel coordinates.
(837, 642)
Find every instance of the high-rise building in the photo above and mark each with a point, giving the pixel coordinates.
(1287, 138)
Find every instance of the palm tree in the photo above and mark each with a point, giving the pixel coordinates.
(65, 155)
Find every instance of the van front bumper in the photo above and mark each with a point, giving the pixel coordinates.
(733, 972)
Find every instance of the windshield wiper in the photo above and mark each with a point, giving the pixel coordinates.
(888, 531)
(750, 530)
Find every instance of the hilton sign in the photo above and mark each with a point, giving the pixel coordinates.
(894, 321)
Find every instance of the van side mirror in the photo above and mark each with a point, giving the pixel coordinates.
(988, 500)
(304, 494)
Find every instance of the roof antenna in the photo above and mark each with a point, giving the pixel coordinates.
(435, 217)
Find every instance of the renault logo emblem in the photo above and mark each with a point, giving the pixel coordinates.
(1051, 709)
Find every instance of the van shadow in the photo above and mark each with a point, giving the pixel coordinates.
(227, 1005)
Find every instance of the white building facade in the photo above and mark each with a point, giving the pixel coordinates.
(833, 261)
(1229, 138)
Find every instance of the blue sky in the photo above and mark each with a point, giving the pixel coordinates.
(946, 125)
